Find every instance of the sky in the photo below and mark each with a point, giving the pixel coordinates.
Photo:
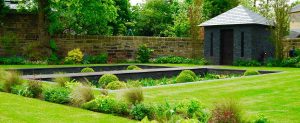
(134, 2)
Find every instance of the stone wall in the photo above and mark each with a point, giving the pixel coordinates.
(125, 47)
(289, 44)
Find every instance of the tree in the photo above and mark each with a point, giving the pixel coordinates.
(212, 8)
(82, 16)
(120, 24)
(281, 26)
(3, 11)
(195, 18)
(154, 18)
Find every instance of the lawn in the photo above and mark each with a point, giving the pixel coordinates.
(274, 95)
(17, 109)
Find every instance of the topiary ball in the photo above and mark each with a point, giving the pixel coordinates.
(190, 73)
(116, 85)
(133, 67)
(107, 78)
(251, 72)
(87, 70)
(181, 78)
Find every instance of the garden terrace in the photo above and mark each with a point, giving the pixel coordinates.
(125, 75)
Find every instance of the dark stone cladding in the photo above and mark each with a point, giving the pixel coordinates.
(124, 75)
(256, 42)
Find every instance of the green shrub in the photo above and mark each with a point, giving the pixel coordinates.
(133, 67)
(74, 57)
(178, 60)
(11, 79)
(134, 95)
(115, 85)
(105, 104)
(81, 94)
(247, 63)
(61, 81)
(193, 109)
(21, 90)
(181, 78)
(226, 111)
(15, 60)
(141, 110)
(210, 76)
(57, 95)
(35, 88)
(251, 72)
(190, 73)
(107, 78)
(144, 53)
(87, 70)
(290, 62)
(98, 59)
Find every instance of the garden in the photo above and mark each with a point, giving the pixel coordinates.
(61, 61)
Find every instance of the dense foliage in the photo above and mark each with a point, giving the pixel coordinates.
(144, 53)
(178, 60)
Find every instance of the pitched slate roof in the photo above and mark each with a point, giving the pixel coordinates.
(296, 9)
(237, 15)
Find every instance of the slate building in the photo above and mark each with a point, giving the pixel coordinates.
(238, 34)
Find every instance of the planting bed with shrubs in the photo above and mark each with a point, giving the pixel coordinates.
(130, 104)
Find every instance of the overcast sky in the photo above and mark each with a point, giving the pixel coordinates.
(134, 2)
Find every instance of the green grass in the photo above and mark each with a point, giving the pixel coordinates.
(17, 109)
(274, 95)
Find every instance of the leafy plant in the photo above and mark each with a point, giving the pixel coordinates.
(57, 95)
(53, 59)
(179, 60)
(87, 70)
(107, 104)
(144, 53)
(98, 59)
(141, 111)
(81, 94)
(134, 95)
(116, 85)
(247, 63)
(14, 60)
(107, 78)
(35, 88)
(21, 90)
(133, 67)
(251, 72)
(75, 56)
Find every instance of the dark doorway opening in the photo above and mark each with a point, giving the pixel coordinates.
(226, 47)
